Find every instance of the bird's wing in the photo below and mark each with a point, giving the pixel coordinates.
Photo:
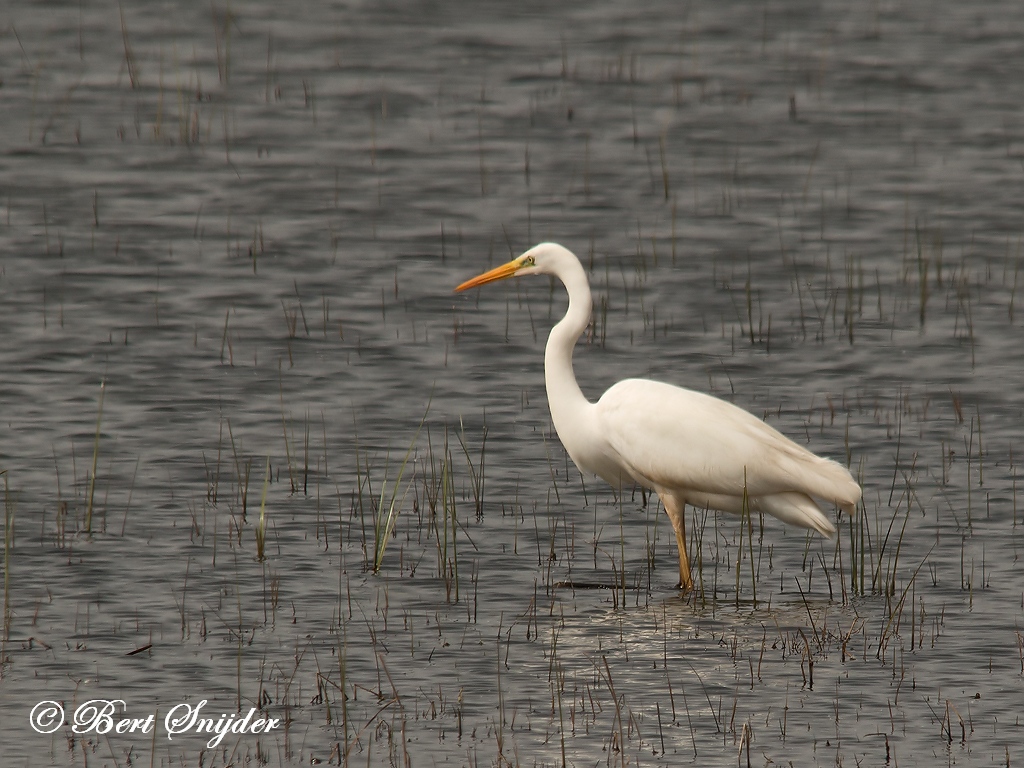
(683, 440)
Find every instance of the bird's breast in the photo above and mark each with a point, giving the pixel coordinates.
(591, 452)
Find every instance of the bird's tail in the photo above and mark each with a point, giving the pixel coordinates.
(796, 509)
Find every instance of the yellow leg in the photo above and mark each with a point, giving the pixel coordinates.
(676, 510)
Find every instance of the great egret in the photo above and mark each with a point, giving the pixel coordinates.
(688, 447)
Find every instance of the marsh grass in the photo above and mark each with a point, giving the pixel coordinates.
(95, 459)
(8, 546)
(439, 491)
(261, 525)
(241, 475)
(385, 511)
(746, 523)
(873, 608)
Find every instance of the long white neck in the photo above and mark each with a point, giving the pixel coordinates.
(565, 399)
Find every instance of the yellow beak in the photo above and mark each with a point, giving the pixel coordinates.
(498, 273)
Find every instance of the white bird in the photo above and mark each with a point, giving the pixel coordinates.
(688, 447)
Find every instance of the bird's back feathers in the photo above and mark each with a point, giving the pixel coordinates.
(697, 445)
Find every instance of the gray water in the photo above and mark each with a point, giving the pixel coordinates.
(228, 240)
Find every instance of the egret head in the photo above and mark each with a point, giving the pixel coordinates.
(543, 259)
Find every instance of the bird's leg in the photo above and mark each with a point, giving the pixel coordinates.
(676, 510)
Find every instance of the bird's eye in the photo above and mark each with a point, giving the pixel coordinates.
(529, 261)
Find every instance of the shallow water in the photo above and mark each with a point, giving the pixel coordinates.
(247, 224)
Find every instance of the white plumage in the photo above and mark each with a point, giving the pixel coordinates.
(688, 447)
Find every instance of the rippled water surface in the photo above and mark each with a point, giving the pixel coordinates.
(231, 354)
